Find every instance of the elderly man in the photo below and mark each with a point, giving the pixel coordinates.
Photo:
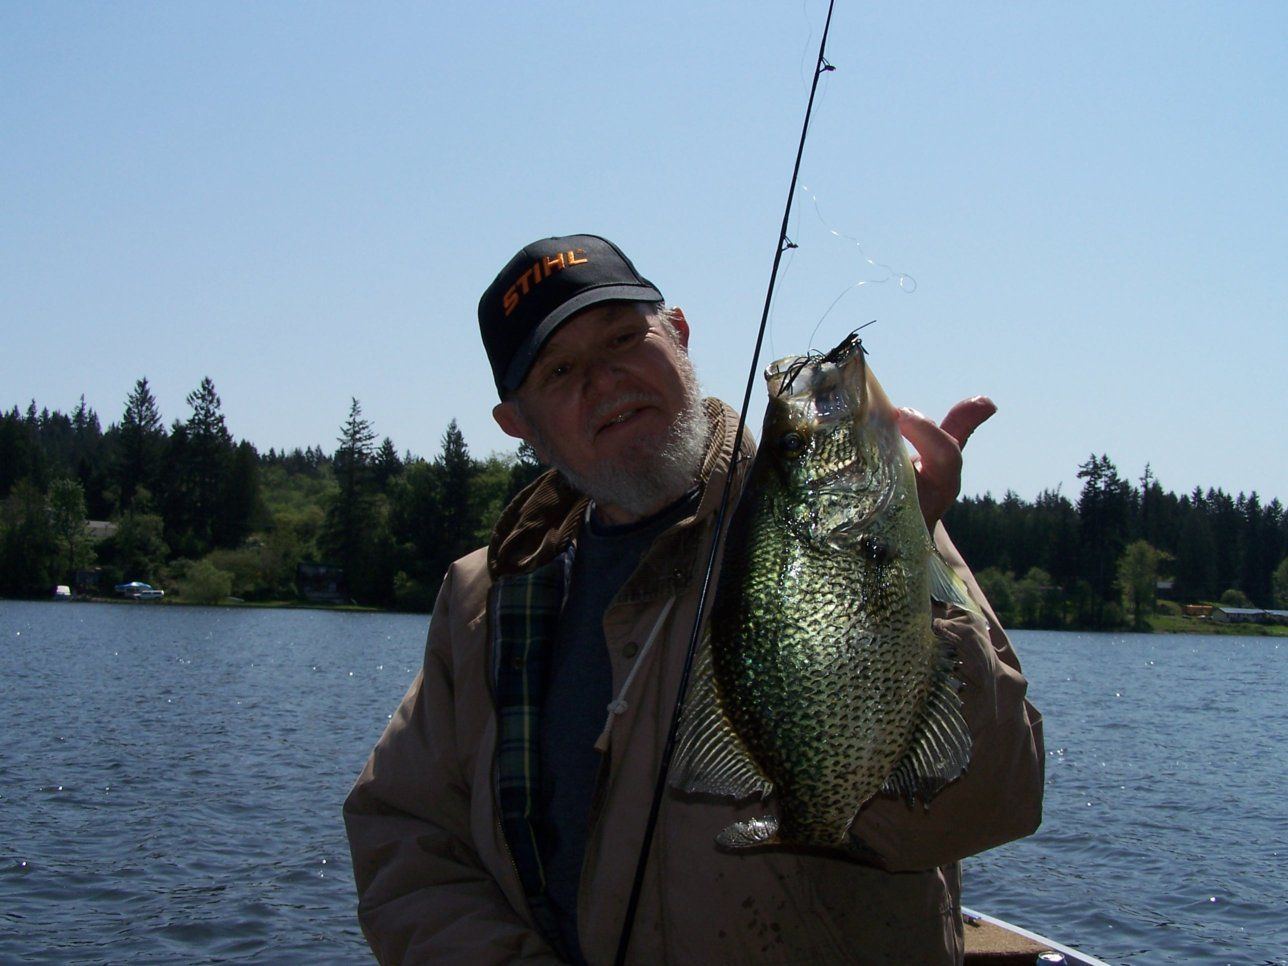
(499, 816)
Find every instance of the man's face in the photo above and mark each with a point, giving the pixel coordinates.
(611, 402)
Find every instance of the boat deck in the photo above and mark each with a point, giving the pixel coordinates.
(995, 942)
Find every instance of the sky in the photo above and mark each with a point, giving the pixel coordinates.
(1077, 209)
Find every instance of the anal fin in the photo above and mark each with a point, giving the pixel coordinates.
(710, 757)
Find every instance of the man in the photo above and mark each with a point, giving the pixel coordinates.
(500, 815)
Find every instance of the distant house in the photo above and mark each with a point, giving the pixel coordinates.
(87, 580)
(101, 529)
(1197, 610)
(1243, 615)
(321, 583)
(1278, 616)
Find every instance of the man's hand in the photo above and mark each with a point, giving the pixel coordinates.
(939, 452)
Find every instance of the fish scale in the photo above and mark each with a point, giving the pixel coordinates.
(821, 680)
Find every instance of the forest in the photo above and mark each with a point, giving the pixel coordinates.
(209, 518)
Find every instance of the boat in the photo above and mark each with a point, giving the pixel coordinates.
(995, 942)
(138, 590)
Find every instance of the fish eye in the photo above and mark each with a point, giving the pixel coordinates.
(792, 443)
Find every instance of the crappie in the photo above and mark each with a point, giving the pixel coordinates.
(821, 678)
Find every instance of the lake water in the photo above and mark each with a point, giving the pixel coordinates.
(171, 781)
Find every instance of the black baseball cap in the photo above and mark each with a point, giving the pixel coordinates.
(542, 287)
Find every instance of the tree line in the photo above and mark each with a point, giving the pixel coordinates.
(208, 517)
(1104, 560)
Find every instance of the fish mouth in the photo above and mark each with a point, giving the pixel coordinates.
(831, 386)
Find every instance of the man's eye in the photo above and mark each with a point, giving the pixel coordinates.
(624, 338)
(557, 372)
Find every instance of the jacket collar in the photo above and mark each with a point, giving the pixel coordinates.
(544, 517)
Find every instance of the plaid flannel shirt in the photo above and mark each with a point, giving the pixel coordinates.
(525, 612)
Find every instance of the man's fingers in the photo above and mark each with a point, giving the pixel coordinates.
(939, 451)
(966, 417)
(934, 446)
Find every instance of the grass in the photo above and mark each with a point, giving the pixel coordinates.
(1174, 624)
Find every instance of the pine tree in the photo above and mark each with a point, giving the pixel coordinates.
(386, 464)
(140, 444)
(454, 472)
(1105, 511)
(205, 465)
(352, 529)
(525, 469)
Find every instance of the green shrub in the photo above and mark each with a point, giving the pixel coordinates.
(203, 583)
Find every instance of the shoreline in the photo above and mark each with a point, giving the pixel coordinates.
(1157, 623)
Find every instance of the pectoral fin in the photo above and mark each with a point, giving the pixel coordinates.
(752, 833)
(948, 588)
(710, 757)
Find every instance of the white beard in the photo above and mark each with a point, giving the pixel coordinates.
(642, 483)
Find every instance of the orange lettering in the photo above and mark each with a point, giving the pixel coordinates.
(574, 260)
(554, 263)
(511, 300)
(522, 282)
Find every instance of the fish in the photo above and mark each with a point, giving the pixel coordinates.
(820, 679)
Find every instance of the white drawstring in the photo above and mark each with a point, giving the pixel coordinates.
(618, 705)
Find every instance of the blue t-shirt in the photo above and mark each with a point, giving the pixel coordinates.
(578, 691)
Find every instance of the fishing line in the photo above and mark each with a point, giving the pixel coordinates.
(659, 788)
(905, 282)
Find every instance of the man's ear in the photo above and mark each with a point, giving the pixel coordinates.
(510, 418)
(680, 324)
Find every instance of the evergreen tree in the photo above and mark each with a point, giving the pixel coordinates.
(140, 444)
(353, 531)
(435, 516)
(1228, 536)
(87, 463)
(385, 463)
(525, 469)
(204, 470)
(1104, 513)
(1196, 573)
(240, 505)
(354, 457)
(454, 471)
(1056, 530)
(15, 451)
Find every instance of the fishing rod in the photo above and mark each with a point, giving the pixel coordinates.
(821, 67)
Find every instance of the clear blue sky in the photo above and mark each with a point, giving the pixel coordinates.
(304, 201)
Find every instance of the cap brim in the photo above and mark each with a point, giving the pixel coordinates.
(528, 352)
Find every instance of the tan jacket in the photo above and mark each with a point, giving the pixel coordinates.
(435, 879)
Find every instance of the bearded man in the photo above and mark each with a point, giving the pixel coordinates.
(500, 815)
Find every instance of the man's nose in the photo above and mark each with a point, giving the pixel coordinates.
(601, 375)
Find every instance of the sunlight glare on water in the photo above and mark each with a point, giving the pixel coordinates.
(171, 782)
